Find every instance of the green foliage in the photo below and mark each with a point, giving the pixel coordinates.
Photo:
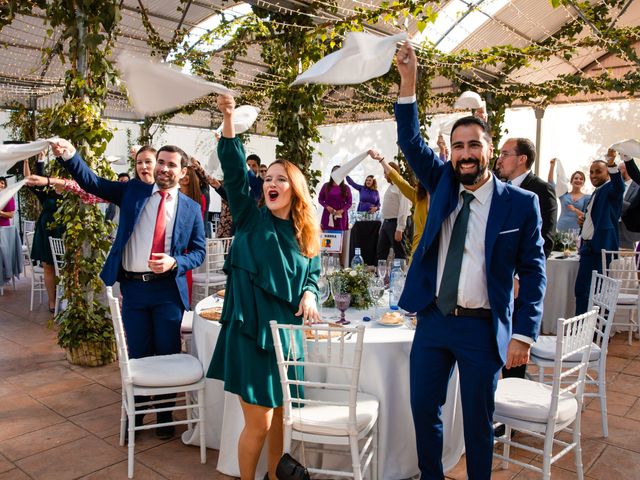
(355, 282)
(88, 29)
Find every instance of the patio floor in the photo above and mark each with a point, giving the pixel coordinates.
(59, 421)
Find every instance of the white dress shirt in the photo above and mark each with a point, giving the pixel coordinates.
(137, 251)
(472, 287)
(588, 227)
(396, 205)
(518, 180)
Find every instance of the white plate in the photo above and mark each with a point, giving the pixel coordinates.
(389, 324)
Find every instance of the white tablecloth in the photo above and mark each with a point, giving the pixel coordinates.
(10, 254)
(384, 373)
(560, 299)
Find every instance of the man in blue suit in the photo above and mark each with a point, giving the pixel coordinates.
(160, 236)
(480, 232)
(600, 224)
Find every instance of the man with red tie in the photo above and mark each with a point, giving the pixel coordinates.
(160, 236)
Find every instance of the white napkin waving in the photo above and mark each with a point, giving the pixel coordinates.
(116, 160)
(562, 181)
(468, 100)
(243, 117)
(339, 174)
(159, 87)
(363, 56)
(628, 147)
(12, 153)
(8, 193)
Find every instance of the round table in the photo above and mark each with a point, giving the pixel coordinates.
(384, 373)
(559, 299)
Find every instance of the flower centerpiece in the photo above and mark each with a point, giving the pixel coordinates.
(355, 282)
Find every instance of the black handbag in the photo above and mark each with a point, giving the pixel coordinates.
(290, 469)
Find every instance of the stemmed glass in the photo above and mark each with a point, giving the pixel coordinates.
(341, 299)
(376, 290)
(331, 265)
(324, 290)
(382, 270)
(565, 239)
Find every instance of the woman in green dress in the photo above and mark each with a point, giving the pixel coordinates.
(272, 272)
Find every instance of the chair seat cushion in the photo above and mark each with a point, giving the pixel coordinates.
(333, 419)
(627, 299)
(165, 370)
(213, 278)
(545, 347)
(530, 401)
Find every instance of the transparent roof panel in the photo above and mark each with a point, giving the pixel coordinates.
(457, 21)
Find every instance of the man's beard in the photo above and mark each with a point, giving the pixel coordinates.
(469, 178)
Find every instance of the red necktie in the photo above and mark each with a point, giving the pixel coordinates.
(161, 226)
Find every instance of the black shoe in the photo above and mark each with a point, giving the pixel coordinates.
(499, 431)
(167, 431)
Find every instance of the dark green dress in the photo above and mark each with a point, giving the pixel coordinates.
(41, 249)
(266, 277)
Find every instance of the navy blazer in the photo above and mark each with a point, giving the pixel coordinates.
(606, 208)
(188, 242)
(513, 243)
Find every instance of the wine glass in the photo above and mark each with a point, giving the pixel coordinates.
(343, 301)
(324, 290)
(332, 265)
(376, 290)
(382, 269)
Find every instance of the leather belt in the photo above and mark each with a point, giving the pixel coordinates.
(471, 312)
(146, 276)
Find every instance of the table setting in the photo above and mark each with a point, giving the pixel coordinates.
(388, 336)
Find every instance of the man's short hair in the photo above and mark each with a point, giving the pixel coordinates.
(524, 146)
(124, 175)
(255, 158)
(471, 120)
(599, 160)
(184, 158)
(146, 148)
(4, 180)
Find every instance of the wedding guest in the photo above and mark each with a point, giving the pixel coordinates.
(628, 238)
(112, 213)
(255, 180)
(6, 214)
(190, 186)
(45, 228)
(395, 211)
(369, 197)
(600, 226)
(273, 269)
(159, 238)
(336, 200)
(480, 233)
(145, 164)
(417, 195)
(572, 203)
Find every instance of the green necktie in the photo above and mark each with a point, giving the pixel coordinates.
(448, 294)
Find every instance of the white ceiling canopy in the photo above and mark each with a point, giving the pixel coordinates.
(30, 77)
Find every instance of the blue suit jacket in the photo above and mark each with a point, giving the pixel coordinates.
(131, 196)
(513, 243)
(606, 209)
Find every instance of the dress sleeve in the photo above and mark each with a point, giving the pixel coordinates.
(314, 274)
(87, 198)
(405, 188)
(236, 184)
(354, 184)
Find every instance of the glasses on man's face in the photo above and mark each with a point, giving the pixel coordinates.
(507, 154)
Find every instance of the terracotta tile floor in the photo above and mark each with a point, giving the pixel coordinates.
(59, 421)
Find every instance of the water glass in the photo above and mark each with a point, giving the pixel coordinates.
(382, 269)
(376, 290)
(324, 290)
